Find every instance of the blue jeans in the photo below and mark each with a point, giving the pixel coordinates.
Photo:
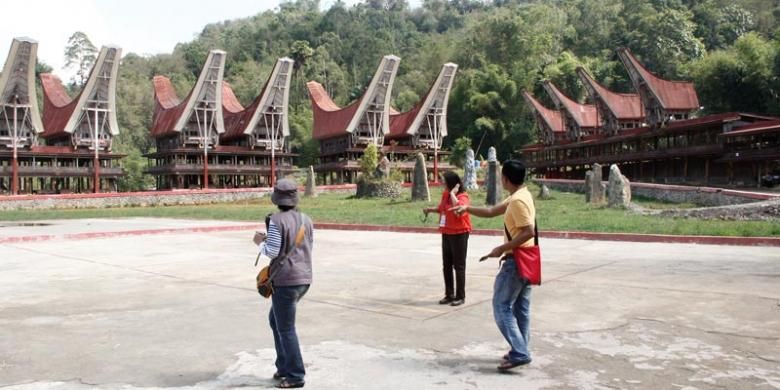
(512, 310)
(289, 362)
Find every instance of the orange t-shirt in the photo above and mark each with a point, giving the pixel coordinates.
(449, 222)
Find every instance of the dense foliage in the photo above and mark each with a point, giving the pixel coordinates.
(728, 47)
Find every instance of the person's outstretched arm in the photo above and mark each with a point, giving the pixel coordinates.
(484, 212)
(526, 233)
(427, 210)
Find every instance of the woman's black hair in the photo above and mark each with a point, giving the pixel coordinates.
(285, 208)
(451, 179)
(514, 171)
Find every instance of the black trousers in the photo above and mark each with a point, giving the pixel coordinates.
(453, 251)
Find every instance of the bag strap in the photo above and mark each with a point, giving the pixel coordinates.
(299, 236)
(536, 234)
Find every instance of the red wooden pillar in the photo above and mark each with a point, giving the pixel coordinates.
(96, 184)
(15, 174)
(435, 166)
(205, 171)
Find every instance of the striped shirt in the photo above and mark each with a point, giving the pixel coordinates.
(273, 242)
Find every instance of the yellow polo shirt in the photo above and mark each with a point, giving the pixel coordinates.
(520, 212)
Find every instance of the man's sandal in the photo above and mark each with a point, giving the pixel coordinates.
(508, 365)
(284, 384)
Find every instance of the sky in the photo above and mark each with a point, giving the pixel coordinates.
(138, 26)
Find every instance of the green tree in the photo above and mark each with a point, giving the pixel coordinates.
(134, 179)
(300, 53)
(740, 78)
(664, 39)
(563, 73)
(719, 25)
(484, 104)
(80, 54)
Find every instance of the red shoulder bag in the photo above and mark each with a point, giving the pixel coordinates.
(528, 259)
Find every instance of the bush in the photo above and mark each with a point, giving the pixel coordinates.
(459, 149)
(396, 175)
(377, 188)
(369, 160)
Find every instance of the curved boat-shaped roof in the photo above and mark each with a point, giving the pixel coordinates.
(330, 120)
(624, 106)
(17, 81)
(408, 123)
(401, 122)
(167, 107)
(61, 114)
(273, 99)
(585, 115)
(552, 118)
(230, 102)
(171, 114)
(672, 95)
(58, 106)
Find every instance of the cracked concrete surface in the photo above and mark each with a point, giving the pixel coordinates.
(179, 311)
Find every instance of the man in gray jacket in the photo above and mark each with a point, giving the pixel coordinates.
(288, 243)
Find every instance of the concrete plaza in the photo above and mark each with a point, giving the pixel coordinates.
(179, 310)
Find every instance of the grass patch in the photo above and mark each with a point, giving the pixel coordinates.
(566, 211)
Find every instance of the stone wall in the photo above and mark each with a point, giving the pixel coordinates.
(768, 210)
(143, 199)
(702, 196)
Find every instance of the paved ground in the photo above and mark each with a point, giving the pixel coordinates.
(62, 228)
(179, 311)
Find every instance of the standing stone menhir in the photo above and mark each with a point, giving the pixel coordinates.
(594, 189)
(311, 183)
(492, 180)
(383, 169)
(544, 193)
(618, 189)
(420, 189)
(470, 171)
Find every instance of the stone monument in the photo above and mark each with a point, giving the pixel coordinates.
(586, 187)
(595, 187)
(310, 183)
(420, 189)
(493, 178)
(544, 193)
(470, 171)
(383, 168)
(618, 189)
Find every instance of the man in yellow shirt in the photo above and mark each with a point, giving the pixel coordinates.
(511, 294)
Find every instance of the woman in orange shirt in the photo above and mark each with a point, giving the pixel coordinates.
(455, 231)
